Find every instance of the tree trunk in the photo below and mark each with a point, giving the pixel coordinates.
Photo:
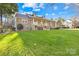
(1, 30)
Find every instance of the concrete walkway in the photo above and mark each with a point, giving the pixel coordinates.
(71, 29)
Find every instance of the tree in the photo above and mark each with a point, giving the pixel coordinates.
(7, 9)
(60, 22)
(52, 19)
(75, 22)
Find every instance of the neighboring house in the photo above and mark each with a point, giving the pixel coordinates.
(75, 22)
(68, 23)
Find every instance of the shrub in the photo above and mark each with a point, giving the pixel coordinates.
(13, 28)
(77, 27)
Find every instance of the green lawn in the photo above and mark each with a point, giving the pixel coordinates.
(40, 43)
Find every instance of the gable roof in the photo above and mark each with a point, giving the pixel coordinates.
(19, 15)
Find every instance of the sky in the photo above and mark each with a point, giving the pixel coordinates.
(50, 10)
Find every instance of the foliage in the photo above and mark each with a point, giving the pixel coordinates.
(7, 9)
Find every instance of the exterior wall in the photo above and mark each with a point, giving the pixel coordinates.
(25, 22)
(40, 24)
(37, 23)
(59, 23)
(52, 24)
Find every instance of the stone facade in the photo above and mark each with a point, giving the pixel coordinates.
(39, 23)
(32, 22)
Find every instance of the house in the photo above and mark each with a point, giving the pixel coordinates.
(52, 24)
(68, 23)
(75, 22)
(31, 22)
(24, 20)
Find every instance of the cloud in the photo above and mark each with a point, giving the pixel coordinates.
(36, 9)
(77, 4)
(55, 7)
(27, 12)
(66, 7)
(23, 13)
(41, 5)
(40, 15)
(76, 8)
(53, 14)
(63, 13)
(46, 14)
(67, 4)
(33, 5)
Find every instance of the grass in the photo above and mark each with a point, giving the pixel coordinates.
(40, 43)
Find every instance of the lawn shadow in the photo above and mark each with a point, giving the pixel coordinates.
(22, 37)
(25, 43)
(7, 51)
(2, 36)
(13, 39)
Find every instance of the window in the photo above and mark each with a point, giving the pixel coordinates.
(18, 19)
